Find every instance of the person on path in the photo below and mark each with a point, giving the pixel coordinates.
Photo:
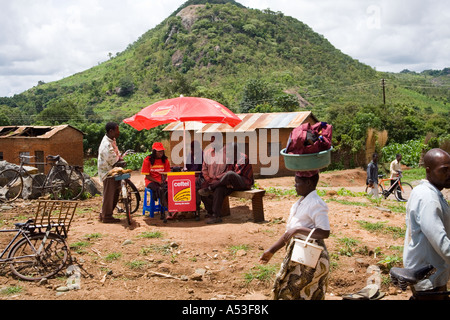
(372, 175)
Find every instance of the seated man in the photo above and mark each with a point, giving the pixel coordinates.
(152, 167)
(195, 164)
(238, 176)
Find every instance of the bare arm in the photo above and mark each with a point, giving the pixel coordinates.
(286, 237)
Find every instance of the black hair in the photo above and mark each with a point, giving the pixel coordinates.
(111, 126)
(152, 157)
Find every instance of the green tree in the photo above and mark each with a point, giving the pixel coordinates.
(59, 112)
(126, 85)
(255, 92)
(4, 120)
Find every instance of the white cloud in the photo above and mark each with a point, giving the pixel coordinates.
(47, 40)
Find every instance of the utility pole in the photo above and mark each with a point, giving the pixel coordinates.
(383, 84)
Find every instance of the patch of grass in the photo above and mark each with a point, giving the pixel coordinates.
(93, 236)
(136, 264)
(391, 261)
(414, 174)
(396, 232)
(348, 203)
(163, 249)
(348, 193)
(370, 226)
(11, 290)
(347, 246)
(234, 249)
(262, 273)
(282, 192)
(113, 256)
(151, 234)
(79, 246)
(399, 207)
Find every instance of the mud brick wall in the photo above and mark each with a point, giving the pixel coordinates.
(68, 143)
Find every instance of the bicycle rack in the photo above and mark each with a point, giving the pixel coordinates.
(57, 214)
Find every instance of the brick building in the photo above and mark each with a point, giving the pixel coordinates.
(40, 142)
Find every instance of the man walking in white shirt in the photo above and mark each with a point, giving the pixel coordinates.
(395, 169)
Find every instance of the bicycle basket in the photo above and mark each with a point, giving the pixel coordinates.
(57, 214)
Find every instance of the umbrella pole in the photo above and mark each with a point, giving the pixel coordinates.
(185, 149)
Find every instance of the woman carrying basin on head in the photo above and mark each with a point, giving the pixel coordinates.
(296, 281)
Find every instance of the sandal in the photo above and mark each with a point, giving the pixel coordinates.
(367, 293)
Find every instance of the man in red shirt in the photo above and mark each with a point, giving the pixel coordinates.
(237, 174)
(152, 167)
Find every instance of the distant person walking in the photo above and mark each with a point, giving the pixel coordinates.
(396, 169)
(372, 175)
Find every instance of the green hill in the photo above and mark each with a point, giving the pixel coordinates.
(249, 60)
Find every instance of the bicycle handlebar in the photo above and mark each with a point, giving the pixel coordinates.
(129, 151)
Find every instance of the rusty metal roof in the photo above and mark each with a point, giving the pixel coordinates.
(250, 122)
(32, 131)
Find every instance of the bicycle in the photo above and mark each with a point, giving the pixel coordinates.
(39, 248)
(401, 190)
(63, 181)
(129, 197)
(404, 277)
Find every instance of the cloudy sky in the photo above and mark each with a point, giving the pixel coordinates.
(47, 40)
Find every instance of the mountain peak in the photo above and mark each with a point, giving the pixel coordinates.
(204, 2)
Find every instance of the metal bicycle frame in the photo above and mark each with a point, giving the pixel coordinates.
(47, 184)
(23, 233)
(391, 189)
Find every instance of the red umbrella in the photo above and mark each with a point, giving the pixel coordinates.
(182, 109)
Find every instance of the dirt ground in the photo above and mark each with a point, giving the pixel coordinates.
(186, 259)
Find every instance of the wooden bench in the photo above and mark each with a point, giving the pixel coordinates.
(256, 195)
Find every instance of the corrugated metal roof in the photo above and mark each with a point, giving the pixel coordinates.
(32, 131)
(250, 122)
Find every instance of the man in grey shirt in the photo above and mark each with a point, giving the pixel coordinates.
(427, 239)
(372, 175)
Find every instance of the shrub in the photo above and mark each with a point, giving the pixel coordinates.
(410, 151)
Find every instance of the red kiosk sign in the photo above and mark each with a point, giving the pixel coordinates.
(181, 191)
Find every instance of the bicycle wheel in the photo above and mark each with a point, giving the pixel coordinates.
(135, 197)
(125, 199)
(11, 185)
(67, 184)
(27, 264)
(403, 192)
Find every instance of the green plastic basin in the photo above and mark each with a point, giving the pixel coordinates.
(307, 162)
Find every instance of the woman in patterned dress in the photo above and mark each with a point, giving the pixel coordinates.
(295, 281)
